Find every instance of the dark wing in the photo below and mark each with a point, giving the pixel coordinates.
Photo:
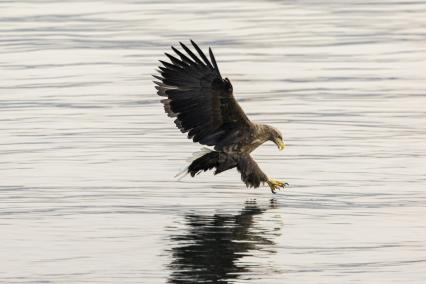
(251, 174)
(200, 99)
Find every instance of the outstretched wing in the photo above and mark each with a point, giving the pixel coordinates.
(200, 99)
(251, 174)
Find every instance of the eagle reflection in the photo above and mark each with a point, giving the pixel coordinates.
(209, 251)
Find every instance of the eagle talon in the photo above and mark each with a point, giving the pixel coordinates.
(276, 184)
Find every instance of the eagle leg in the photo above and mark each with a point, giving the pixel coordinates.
(275, 184)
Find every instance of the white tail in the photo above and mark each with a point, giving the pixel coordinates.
(180, 175)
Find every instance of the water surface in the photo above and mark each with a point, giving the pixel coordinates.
(88, 157)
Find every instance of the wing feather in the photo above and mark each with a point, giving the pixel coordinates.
(202, 55)
(214, 63)
(193, 56)
(200, 100)
(183, 56)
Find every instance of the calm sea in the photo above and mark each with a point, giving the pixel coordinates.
(88, 157)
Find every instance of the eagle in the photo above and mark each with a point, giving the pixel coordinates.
(203, 105)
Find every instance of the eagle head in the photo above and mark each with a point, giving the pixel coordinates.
(276, 137)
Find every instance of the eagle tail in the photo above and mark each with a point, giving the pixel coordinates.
(208, 159)
(195, 156)
(204, 163)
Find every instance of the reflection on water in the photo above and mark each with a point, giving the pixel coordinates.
(210, 248)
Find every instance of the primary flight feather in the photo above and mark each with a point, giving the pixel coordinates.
(203, 105)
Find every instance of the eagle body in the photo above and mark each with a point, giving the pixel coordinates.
(248, 139)
(203, 106)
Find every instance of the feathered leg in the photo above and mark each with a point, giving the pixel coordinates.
(253, 176)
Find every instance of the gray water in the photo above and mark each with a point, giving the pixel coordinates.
(88, 157)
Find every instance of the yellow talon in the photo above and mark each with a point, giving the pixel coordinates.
(275, 184)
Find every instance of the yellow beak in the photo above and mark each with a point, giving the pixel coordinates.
(280, 144)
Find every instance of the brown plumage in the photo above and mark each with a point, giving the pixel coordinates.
(203, 105)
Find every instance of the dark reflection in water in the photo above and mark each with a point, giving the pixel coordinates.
(208, 252)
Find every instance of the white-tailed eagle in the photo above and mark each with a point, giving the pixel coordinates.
(203, 105)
